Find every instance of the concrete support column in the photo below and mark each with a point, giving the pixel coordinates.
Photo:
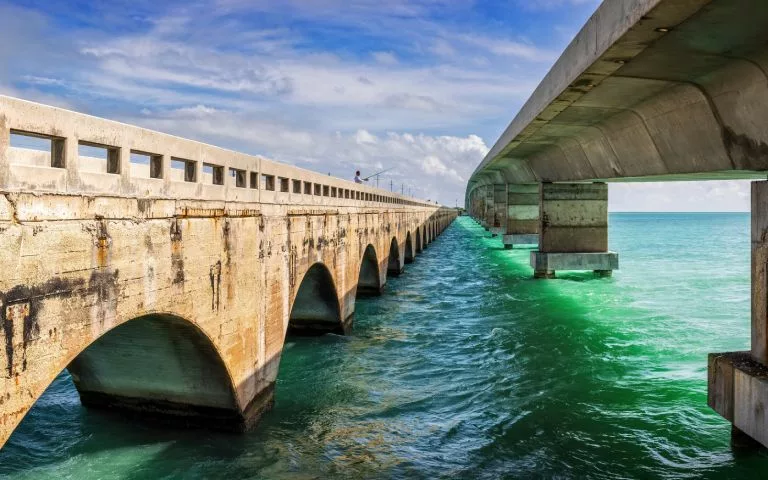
(738, 381)
(573, 230)
(522, 216)
(476, 204)
(499, 209)
(489, 209)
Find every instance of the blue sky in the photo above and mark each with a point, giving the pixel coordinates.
(423, 86)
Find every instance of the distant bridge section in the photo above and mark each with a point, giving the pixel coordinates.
(648, 90)
(164, 273)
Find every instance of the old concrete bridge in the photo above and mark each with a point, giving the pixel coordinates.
(164, 273)
(649, 90)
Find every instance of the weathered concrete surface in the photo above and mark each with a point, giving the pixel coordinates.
(760, 271)
(574, 230)
(510, 241)
(173, 297)
(573, 218)
(738, 390)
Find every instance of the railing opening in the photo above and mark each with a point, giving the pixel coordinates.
(213, 174)
(254, 180)
(37, 150)
(307, 188)
(283, 184)
(268, 182)
(183, 170)
(318, 189)
(239, 176)
(98, 158)
(297, 186)
(146, 165)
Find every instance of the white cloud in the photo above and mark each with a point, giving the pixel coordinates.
(511, 48)
(363, 137)
(385, 58)
(434, 167)
(704, 196)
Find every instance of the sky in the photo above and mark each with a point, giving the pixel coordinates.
(424, 87)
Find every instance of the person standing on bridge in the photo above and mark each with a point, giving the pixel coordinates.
(357, 177)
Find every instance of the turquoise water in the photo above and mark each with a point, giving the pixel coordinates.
(469, 368)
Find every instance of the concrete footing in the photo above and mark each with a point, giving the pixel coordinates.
(496, 231)
(520, 239)
(366, 291)
(546, 264)
(737, 389)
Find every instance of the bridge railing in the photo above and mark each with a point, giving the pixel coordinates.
(51, 150)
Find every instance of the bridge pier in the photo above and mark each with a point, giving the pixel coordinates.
(522, 226)
(573, 225)
(499, 209)
(738, 381)
(489, 208)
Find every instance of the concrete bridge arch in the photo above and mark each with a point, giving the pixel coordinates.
(369, 282)
(159, 364)
(395, 261)
(410, 250)
(419, 245)
(156, 365)
(315, 309)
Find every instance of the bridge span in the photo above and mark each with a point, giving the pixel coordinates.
(649, 90)
(164, 273)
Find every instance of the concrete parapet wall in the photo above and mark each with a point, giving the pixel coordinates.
(66, 171)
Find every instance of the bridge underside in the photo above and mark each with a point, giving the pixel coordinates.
(668, 89)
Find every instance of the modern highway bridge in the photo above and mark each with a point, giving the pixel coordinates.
(164, 274)
(649, 90)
